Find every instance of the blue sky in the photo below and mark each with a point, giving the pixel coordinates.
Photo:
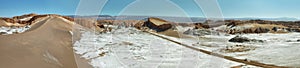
(230, 8)
(10, 8)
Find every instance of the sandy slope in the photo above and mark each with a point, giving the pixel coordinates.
(3, 23)
(48, 44)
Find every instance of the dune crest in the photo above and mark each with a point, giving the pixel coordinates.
(48, 44)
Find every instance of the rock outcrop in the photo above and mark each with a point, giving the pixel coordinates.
(157, 24)
(200, 26)
(139, 25)
(240, 39)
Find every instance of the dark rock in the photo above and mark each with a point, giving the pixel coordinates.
(200, 26)
(274, 29)
(295, 30)
(289, 41)
(261, 30)
(261, 41)
(3, 33)
(233, 23)
(239, 39)
(189, 31)
(100, 25)
(288, 29)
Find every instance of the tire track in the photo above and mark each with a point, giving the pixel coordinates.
(248, 62)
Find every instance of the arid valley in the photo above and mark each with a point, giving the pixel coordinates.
(58, 41)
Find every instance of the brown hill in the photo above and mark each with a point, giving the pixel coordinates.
(9, 22)
(26, 19)
(24, 16)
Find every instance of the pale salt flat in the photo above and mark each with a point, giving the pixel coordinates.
(131, 48)
(277, 49)
(11, 30)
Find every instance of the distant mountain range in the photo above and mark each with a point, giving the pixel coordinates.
(270, 19)
(175, 19)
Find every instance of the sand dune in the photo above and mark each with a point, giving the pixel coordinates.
(3, 23)
(48, 44)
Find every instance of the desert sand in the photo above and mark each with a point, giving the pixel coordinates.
(2, 23)
(48, 44)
